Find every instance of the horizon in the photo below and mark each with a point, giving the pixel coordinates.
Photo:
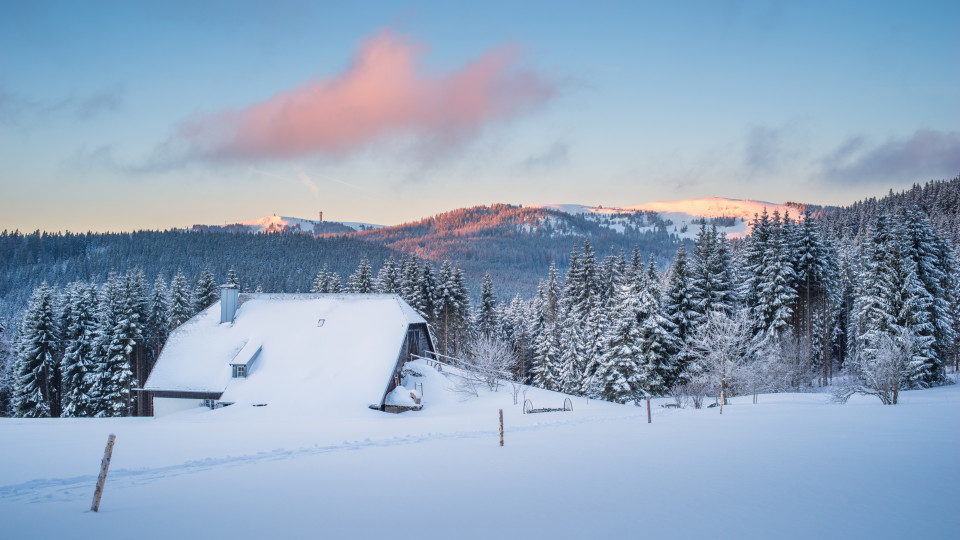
(152, 116)
(548, 206)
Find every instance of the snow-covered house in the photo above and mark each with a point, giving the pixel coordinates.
(322, 351)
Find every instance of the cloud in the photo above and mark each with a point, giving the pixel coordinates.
(924, 155)
(557, 154)
(383, 93)
(769, 149)
(80, 106)
(309, 183)
(95, 159)
(86, 106)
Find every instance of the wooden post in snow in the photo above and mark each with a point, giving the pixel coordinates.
(104, 465)
(501, 427)
(649, 420)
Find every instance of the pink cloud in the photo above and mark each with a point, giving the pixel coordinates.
(383, 92)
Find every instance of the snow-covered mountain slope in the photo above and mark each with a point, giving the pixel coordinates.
(275, 223)
(732, 216)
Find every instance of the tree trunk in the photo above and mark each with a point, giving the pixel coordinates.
(723, 384)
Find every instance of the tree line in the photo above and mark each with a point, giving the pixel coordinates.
(785, 308)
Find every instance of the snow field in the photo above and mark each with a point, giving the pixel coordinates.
(792, 466)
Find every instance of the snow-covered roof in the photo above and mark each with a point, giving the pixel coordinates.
(349, 359)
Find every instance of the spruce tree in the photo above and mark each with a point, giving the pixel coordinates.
(546, 331)
(712, 273)
(581, 337)
(546, 359)
(158, 320)
(333, 283)
(617, 377)
(517, 325)
(116, 338)
(752, 261)
(571, 359)
(206, 293)
(892, 301)
(232, 278)
(181, 309)
(7, 361)
(79, 362)
(361, 281)
(388, 278)
(776, 295)
(319, 283)
(410, 282)
(818, 293)
(427, 294)
(325, 282)
(932, 259)
(486, 320)
(34, 393)
(680, 310)
(656, 338)
(452, 307)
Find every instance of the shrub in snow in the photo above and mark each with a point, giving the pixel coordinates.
(491, 359)
(719, 346)
(881, 372)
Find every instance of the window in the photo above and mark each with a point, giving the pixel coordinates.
(320, 322)
(239, 371)
(209, 403)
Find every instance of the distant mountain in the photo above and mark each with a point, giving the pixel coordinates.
(281, 224)
(518, 244)
(683, 217)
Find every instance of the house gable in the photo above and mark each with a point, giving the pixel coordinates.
(348, 361)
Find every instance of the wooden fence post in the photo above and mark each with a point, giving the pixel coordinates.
(649, 420)
(104, 465)
(501, 427)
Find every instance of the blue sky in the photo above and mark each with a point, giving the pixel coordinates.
(127, 115)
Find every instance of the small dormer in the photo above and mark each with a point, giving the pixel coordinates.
(242, 363)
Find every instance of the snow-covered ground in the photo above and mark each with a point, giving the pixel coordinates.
(792, 466)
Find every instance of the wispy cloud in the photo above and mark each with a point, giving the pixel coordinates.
(302, 179)
(307, 180)
(768, 149)
(76, 105)
(309, 183)
(385, 92)
(556, 155)
(87, 106)
(924, 155)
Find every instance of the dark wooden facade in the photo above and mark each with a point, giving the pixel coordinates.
(416, 342)
(145, 398)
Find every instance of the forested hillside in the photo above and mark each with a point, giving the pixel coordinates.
(870, 290)
(272, 262)
(938, 199)
(517, 245)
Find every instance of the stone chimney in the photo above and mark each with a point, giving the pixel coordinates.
(229, 301)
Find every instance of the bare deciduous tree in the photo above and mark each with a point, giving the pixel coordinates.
(493, 359)
(880, 372)
(719, 345)
(489, 361)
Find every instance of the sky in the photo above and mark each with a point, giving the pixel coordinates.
(117, 116)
